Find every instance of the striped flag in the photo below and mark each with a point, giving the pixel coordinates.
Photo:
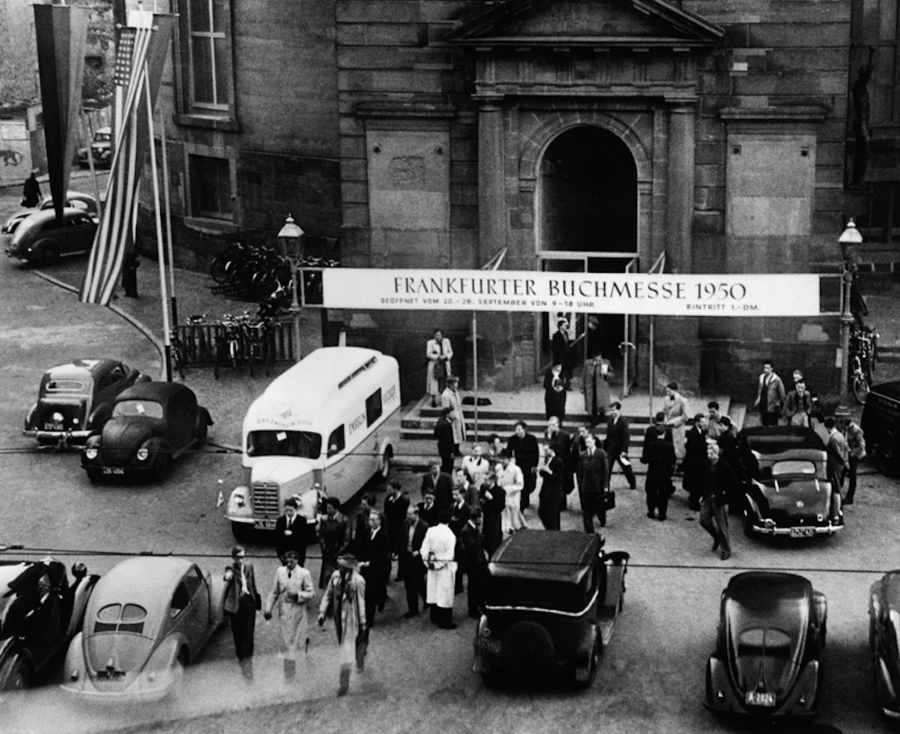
(140, 55)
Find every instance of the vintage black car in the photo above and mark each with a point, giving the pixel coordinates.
(881, 426)
(100, 150)
(772, 629)
(551, 601)
(884, 634)
(40, 612)
(74, 200)
(76, 399)
(40, 238)
(152, 424)
(786, 488)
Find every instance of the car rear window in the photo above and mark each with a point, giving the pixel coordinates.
(141, 408)
(66, 386)
(793, 468)
(120, 618)
(760, 640)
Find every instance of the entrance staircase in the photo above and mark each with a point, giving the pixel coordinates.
(507, 408)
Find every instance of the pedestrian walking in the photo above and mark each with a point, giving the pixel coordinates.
(130, 266)
(561, 350)
(345, 600)
(290, 532)
(373, 552)
(555, 392)
(291, 590)
(493, 503)
(511, 481)
(659, 456)
(564, 447)
(395, 506)
(728, 446)
(334, 534)
(770, 395)
(446, 441)
(476, 466)
(409, 559)
(675, 409)
(441, 485)
(360, 525)
(438, 353)
(526, 452)
(595, 384)
(798, 405)
(593, 476)
(31, 191)
(714, 505)
(473, 563)
(695, 460)
(242, 602)
(838, 455)
(439, 556)
(450, 398)
(618, 437)
(552, 472)
(856, 445)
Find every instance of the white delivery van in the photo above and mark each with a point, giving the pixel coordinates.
(323, 428)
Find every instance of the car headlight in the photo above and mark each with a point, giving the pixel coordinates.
(143, 453)
(91, 452)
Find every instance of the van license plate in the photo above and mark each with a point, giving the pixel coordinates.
(760, 698)
(113, 470)
(802, 532)
(264, 524)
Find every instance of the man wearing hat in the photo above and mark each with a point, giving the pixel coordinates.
(291, 590)
(31, 191)
(409, 558)
(439, 555)
(242, 601)
(450, 398)
(345, 599)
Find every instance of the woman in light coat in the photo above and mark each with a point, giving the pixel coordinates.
(450, 399)
(438, 351)
(291, 590)
(675, 408)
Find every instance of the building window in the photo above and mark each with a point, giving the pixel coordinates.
(876, 24)
(206, 78)
(211, 187)
(881, 223)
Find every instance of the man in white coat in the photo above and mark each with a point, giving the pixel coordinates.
(291, 590)
(438, 552)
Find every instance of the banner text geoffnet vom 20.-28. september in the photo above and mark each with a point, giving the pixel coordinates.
(627, 293)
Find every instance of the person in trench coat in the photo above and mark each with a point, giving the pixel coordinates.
(450, 398)
(345, 599)
(291, 590)
(438, 353)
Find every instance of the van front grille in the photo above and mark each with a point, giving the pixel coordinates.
(265, 499)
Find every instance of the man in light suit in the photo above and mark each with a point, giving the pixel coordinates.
(770, 395)
(593, 478)
(242, 601)
(617, 440)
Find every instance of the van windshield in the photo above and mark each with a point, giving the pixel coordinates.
(284, 443)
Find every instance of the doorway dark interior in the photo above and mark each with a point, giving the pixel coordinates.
(588, 205)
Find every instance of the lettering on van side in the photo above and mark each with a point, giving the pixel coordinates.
(390, 394)
(357, 423)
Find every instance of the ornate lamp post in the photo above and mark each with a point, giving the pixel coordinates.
(290, 242)
(848, 242)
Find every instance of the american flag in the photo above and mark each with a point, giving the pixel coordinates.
(140, 53)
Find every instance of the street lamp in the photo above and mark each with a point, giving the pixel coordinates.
(290, 242)
(848, 242)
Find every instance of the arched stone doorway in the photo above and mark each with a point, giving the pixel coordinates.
(586, 200)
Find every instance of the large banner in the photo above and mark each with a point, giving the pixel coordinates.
(626, 293)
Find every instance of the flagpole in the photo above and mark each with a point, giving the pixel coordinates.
(168, 206)
(475, 366)
(89, 129)
(167, 336)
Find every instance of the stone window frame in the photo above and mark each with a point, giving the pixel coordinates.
(217, 115)
(206, 221)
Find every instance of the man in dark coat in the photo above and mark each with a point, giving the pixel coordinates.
(31, 191)
(564, 447)
(242, 602)
(493, 500)
(441, 485)
(659, 455)
(552, 497)
(616, 443)
(409, 559)
(459, 510)
(290, 532)
(373, 551)
(561, 349)
(473, 562)
(593, 475)
(694, 460)
(714, 506)
(443, 432)
(429, 512)
(361, 521)
(524, 449)
(395, 506)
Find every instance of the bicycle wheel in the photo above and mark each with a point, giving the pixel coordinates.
(219, 269)
(860, 388)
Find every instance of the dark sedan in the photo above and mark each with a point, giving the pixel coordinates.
(786, 489)
(76, 399)
(772, 629)
(40, 611)
(884, 636)
(40, 238)
(152, 424)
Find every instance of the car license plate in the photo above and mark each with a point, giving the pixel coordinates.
(113, 470)
(487, 645)
(760, 698)
(802, 532)
(53, 426)
(264, 524)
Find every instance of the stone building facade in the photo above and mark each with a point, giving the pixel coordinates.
(596, 135)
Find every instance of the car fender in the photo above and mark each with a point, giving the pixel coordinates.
(752, 506)
(7, 661)
(83, 592)
(99, 416)
(75, 669)
(885, 693)
(29, 419)
(803, 698)
(719, 693)
(166, 653)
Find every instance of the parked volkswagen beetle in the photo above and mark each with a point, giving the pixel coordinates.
(147, 619)
(152, 424)
(74, 200)
(884, 635)
(76, 399)
(772, 628)
(40, 238)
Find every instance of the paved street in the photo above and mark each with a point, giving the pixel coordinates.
(417, 679)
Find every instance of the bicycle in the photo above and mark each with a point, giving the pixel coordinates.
(260, 344)
(177, 354)
(230, 343)
(863, 356)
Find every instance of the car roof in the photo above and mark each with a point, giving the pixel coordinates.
(759, 590)
(70, 196)
(161, 392)
(777, 439)
(80, 369)
(42, 216)
(545, 554)
(144, 580)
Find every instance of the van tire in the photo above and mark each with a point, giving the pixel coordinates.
(384, 465)
(242, 531)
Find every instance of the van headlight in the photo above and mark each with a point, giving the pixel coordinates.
(91, 452)
(143, 453)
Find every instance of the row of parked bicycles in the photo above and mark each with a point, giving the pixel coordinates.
(863, 360)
